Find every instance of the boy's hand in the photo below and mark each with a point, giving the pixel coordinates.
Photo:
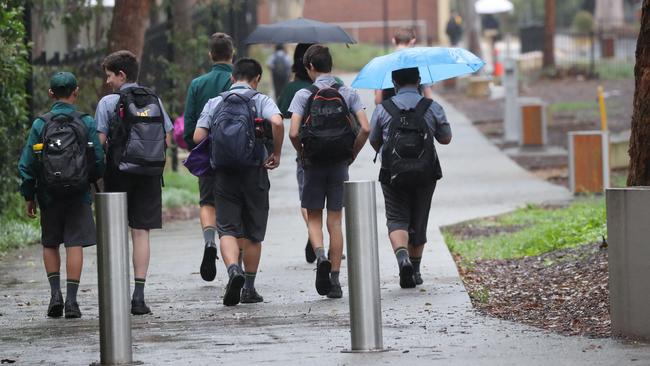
(272, 162)
(31, 209)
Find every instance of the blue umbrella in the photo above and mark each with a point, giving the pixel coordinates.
(435, 64)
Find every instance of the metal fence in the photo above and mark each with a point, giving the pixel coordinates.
(597, 52)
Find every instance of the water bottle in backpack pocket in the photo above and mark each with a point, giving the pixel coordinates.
(409, 157)
(137, 137)
(233, 140)
(67, 162)
(327, 132)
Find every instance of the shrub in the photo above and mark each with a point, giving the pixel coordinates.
(583, 22)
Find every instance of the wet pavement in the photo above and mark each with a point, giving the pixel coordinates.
(432, 324)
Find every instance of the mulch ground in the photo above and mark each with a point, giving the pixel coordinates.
(565, 291)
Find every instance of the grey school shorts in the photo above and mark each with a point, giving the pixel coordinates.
(69, 222)
(408, 210)
(206, 190)
(242, 203)
(324, 183)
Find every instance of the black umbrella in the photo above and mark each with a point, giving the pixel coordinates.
(299, 30)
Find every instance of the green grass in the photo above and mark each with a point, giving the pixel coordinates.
(614, 70)
(355, 57)
(16, 229)
(582, 222)
(573, 106)
(181, 189)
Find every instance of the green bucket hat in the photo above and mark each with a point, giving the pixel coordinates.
(62, 80)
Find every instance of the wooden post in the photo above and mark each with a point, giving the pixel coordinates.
(532, 113)
(588, 161)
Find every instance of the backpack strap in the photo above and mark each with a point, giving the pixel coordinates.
(391, 108)
(422, 107)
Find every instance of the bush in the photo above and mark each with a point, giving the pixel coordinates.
(14, 70)
(16, 229)
(583, 22)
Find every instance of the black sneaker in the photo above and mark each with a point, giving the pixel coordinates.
(55, 309)
(335, 291)
(72, 310)
(250, 296)
(138, 307)
(418, 278)
(233, 289)
(406, 279)
(323, 284)
(310, 256)
(208, 265)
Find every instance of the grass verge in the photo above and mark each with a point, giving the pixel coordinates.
(181, 189)
(16, 229)
(538, 230)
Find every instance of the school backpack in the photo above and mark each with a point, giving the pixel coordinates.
(409, 157)
(137, 133)
(232, 132)
(68, 157)
(327, 130)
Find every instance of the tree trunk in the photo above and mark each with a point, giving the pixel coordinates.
(639, 174)
(472, 28)
(549, 34)
(129, 24)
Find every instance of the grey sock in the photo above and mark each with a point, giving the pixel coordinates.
(232, 269)
(71, 290)
(416, 263)
(320, 253)
(55, 281)
(209, 234)
(138, 290)
(249, 280)
(334, 277)
(401, 254)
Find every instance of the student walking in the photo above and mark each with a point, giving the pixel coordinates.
(322, 132)
(60, 159)
(134, 114)
(403, 128)
(403, 38)
(280, 65)
(235, 122)
(201, 89)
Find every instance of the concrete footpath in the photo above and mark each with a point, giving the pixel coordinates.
(432, 324)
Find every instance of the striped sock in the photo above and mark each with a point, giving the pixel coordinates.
(249, 280)
(71, 290)
(138, 290)
(401, 254)
(55, 281)
(209, 235)
(320, 253)
(416, 263)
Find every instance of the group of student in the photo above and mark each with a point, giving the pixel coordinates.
(242, 132)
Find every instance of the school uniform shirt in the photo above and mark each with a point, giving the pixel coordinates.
(201, 89)
(407, 98)
(28, 167)
(264, 105)
(350, 96)
(106, 111)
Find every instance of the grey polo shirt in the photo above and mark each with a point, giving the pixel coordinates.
(301, 98)
(106, 111)
(407, 98)
(264, 105)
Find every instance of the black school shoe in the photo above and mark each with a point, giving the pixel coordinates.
(406, 278)
(310, 256)
(418, 278)
(138, 307)
(233, 289)
(323, 283)
(208, 265)
(72, 310)
(55, 309)
(335, 291)
(250, 296)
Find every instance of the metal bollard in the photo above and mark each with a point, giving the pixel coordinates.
(113, 279)
(363, 266)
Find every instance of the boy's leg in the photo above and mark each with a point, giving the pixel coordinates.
(420, 207)
(230, 254)
(310, 256)
(141, 256)
(323, 265)
(208, 218)
(335, 230)
(252, 255)
(398, 216)
(52, 262)
(74, 263)
(415, 255)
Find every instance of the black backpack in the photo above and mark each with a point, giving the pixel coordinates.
(136, 139)
(68, 157)
(327, 131)
(409, 157)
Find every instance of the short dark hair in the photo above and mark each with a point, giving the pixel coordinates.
(124, 61)
(298, 67)
(410, 76)
(404, 35)
(221, 47)
(246, 69)
(63, 92)
(319, 56)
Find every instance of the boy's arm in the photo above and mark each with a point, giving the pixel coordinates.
(93, 136)
(376, 137)
(26, 167)
(294, 131)
(202, 129)
(442, 128)
(379, 96)
(278, 136)
(427, 92)
(190, 118)
(200, 134)
(363, 132)
(101, 120)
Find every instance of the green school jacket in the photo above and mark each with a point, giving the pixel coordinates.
(202, 89)
(28, 167)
